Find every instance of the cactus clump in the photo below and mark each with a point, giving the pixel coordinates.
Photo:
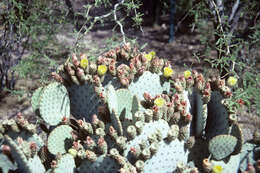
(127, 112)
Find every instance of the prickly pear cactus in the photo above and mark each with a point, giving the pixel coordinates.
(127, 112)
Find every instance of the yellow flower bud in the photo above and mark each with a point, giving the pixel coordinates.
(73, 152)
(159, 102)
(187, 74)
(102, 69)
(83, 63)
(217, 169)
(167, 71)
(232, 81)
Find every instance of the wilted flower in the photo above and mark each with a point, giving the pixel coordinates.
(102, 69)
(167, 71)
(84, 63)
(159, 102)
(232, 81)
(187, 74)
(217, 169)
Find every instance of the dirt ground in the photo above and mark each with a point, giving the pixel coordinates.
(179, 53)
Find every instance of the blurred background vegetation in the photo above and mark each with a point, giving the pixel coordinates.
(32, 43)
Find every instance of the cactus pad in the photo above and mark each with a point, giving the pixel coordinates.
(168, 155)
(36, 165)
(6, 164)
(222, 146)
(102, 164)
(149, 83)
(217, 121)
(54, 103)
(60, 139)
(83, 101)
(128, 104)
(36, 98)
(112, 99)
(66, 164)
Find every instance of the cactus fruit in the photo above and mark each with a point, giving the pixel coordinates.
(54, 103)
(60, 139)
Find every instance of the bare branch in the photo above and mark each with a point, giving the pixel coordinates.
(118, 22)
(234, 9)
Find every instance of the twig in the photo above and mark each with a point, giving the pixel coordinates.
(234, 9)
(118, 22)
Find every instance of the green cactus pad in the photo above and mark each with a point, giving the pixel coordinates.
(6, 164)
(36, 165)
(149, 83)
(201, 114)
(66, 164)
(237, 132)
(222, 146)
(101, 165)
(112, 99)
(217, 121)
(60, 139)
(36, 98)
(18, 155)
(232, 165)
(54, 103)
(83, 101)
(128, 105)
(168, 156)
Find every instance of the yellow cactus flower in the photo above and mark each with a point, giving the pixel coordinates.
(159, 102)
(167, 71)
(217, 169)
(187, 74)
(84, 63)
(232, 81)
(152, 53)
(73, 152)
(149, 56)
(102, 69)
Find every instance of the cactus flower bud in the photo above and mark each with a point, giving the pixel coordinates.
(167, 72)
(187, 74)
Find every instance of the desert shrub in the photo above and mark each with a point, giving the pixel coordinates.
(229, 32)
